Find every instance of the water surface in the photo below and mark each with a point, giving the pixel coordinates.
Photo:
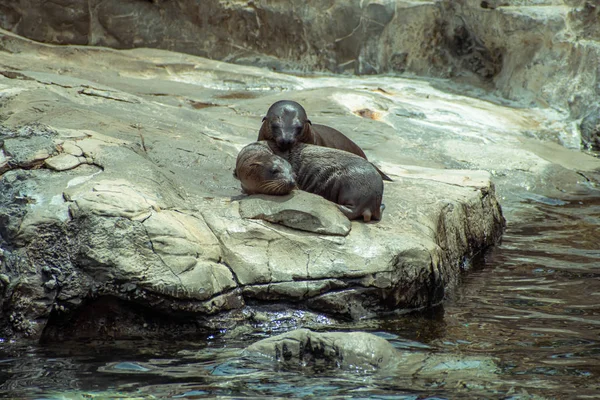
(531, 303)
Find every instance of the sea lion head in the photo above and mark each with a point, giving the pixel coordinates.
(262, 172)
(276, 176)
(286, 124)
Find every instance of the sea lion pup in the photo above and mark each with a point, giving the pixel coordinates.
(286, 124)
(348, 180)
(261, 171)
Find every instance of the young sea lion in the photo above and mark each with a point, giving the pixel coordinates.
(261, 171)
(339, 176)
(286, 124)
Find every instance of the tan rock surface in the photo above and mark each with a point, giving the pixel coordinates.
(153, 215)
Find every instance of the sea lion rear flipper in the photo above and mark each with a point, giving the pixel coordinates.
(383, 175)
(367, 215)
(346, 211)
(379, 214)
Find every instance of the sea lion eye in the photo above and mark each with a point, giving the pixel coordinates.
(275, 170)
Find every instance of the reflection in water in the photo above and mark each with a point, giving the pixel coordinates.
(533, 305)
(536, 304)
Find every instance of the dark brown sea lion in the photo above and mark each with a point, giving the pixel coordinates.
(348, 180)
(286, 124)
(261, 171)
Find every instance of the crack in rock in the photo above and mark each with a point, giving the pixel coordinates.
(162, 260)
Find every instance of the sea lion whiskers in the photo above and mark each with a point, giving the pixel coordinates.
(277, 187)
(280, 183)
(271, 185)
(261, 171)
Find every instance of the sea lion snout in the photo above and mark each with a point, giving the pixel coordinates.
(285, 139)
(291, 185)
(284, 186)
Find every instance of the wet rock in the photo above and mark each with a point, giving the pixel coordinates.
(590, 130)
(298, 210)
(305, 349)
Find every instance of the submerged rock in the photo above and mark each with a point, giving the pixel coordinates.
(361, 352)
(303, 348)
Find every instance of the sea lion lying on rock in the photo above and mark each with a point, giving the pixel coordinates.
(260, 171)
(346, 179)
(286, 125)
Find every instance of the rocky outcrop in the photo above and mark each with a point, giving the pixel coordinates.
(113, 199)
(118, 226)
(119, 212)
(539, 52)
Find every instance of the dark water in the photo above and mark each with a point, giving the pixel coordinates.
(536, 303)
(533, 304)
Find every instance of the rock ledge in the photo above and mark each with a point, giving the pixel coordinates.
(110, 207)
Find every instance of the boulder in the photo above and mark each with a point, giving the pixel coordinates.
(299, 210)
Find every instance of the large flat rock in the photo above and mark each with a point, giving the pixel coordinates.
(126, 188)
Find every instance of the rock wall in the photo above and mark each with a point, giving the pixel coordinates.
(544, 52)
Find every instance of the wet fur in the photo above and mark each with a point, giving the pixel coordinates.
(341, 177)
(260, 171)
(286, 124)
